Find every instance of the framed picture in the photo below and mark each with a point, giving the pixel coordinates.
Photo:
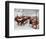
(24, 19)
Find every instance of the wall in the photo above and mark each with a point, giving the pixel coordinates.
(2, 20)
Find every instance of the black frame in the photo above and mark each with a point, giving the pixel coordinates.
(7, 18)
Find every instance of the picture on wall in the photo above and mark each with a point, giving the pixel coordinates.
(24, 19)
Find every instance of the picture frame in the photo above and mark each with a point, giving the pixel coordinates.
(17, 5)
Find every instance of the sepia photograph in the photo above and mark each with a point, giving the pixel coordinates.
(26, 18)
